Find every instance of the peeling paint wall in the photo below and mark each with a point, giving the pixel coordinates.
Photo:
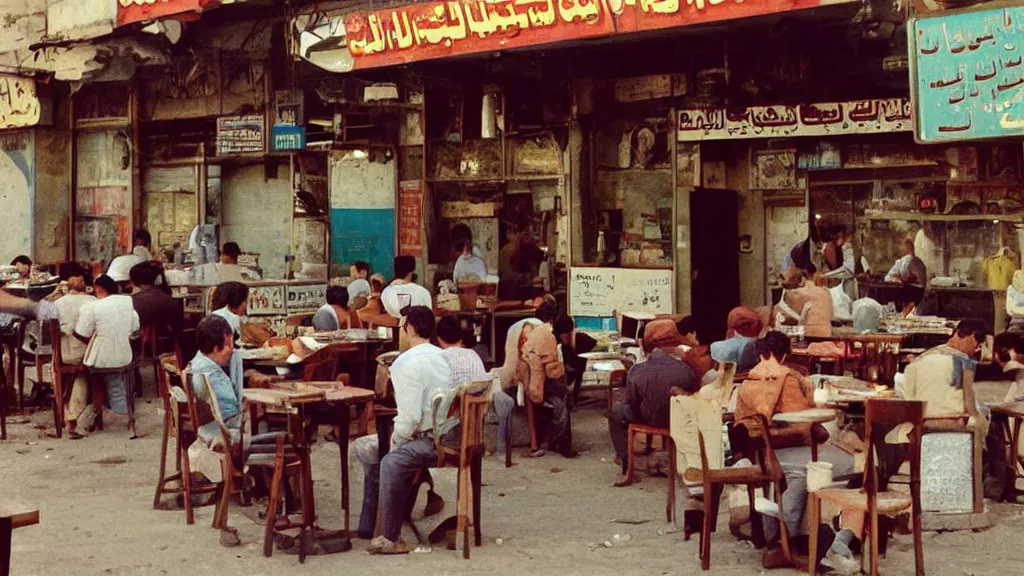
(751, 222)
(52, 194)
(257, 214)
(17, 181)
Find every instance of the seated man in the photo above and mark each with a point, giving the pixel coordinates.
(541, 374)
(335, 314)
(773, 388)
(359, 289)
(106, 326)
(231, 302)
(1008, 354)
(944, 376)
(806, 304)
(72, 350)
(573, 343)
(218, 361)
(649, 387)
(154, 306)
(503, 402)
(469, 266)
(740, 344)
(417, 375)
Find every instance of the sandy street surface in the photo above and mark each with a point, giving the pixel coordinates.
(552, 516)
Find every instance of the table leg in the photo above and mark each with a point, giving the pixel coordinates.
(6, 527)
(342, 434)
(814, 450)
(494, 338)
(384, 425)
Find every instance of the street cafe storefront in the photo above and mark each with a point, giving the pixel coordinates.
(357, 41)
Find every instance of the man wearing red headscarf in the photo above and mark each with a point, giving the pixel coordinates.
(649, 385)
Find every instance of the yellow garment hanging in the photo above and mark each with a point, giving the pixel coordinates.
(999, 270)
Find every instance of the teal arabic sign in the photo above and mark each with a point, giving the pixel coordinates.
(967, 75)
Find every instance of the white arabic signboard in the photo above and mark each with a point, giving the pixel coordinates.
(305, 298)
(781, 120)
(19, 106)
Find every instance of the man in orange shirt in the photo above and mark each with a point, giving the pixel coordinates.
(806, 304)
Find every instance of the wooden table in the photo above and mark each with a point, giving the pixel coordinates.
(12, 515)
(297, 405)
(809, 416)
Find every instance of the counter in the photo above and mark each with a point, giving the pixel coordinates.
(959, 302)
(270, 301)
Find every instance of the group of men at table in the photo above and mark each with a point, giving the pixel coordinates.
(676, 364)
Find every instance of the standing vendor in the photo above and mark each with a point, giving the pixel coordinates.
(227, 270)
(518, 264)
(469, 266)
(909, 269)
(805, 304)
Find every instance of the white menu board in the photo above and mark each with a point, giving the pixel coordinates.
(601, 291)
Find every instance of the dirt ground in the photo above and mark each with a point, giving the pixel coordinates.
(551, 515)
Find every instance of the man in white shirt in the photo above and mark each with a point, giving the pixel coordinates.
(469, 267)
(403, 292)
(417, 375)
(106, 326)
(231, 302)
(359, 287)
(909, 269)
(120, 267)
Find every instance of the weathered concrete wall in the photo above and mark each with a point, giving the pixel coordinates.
(52, 194)
(751, 222)
(17, 181)
(257, 213)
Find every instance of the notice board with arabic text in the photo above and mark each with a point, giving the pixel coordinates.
(967, 75)
(410, 218)
(601, 291)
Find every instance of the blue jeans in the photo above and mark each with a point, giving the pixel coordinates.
(116, 393)
(503, 406)
(393, 477)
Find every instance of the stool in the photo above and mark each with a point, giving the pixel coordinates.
(667, 444)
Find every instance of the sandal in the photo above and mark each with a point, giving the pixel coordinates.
(383, 546)
(229, 538)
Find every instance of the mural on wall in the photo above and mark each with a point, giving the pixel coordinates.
(17, 180)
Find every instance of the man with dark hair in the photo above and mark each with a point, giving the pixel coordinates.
(335, 314)
(359, 287)
(944, 376)
(416, 375)
(218, 362)
(231, 302)
(230, 252)
(573, 343)
(23, 264)
(143, 244)
(687, 327)
(155, 306)
(469, 267)
(403, 292)
(107, 325)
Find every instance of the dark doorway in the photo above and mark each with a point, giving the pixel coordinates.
(714, 254)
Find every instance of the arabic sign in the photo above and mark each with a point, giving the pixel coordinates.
(239, 134)
(19, 106)
(410, 218)
(131, 11)
(446, 28)
(967, 75)
(306, 297)
(285, 138)
(266, 300)
(824, 119)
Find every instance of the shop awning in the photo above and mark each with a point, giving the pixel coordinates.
(342, 41)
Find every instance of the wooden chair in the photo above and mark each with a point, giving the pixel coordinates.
(760, 474)
(180, 425)
(24, 359)
(283, 462)
(63, 374)
(1010, 417)
(97, 381)
(471, 402)
(3, 399)
(151, 334)
(231, 452)
(878, 413)
(667, 444)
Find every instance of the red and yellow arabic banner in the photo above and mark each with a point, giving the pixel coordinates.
(438, 29)
(131, 11)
